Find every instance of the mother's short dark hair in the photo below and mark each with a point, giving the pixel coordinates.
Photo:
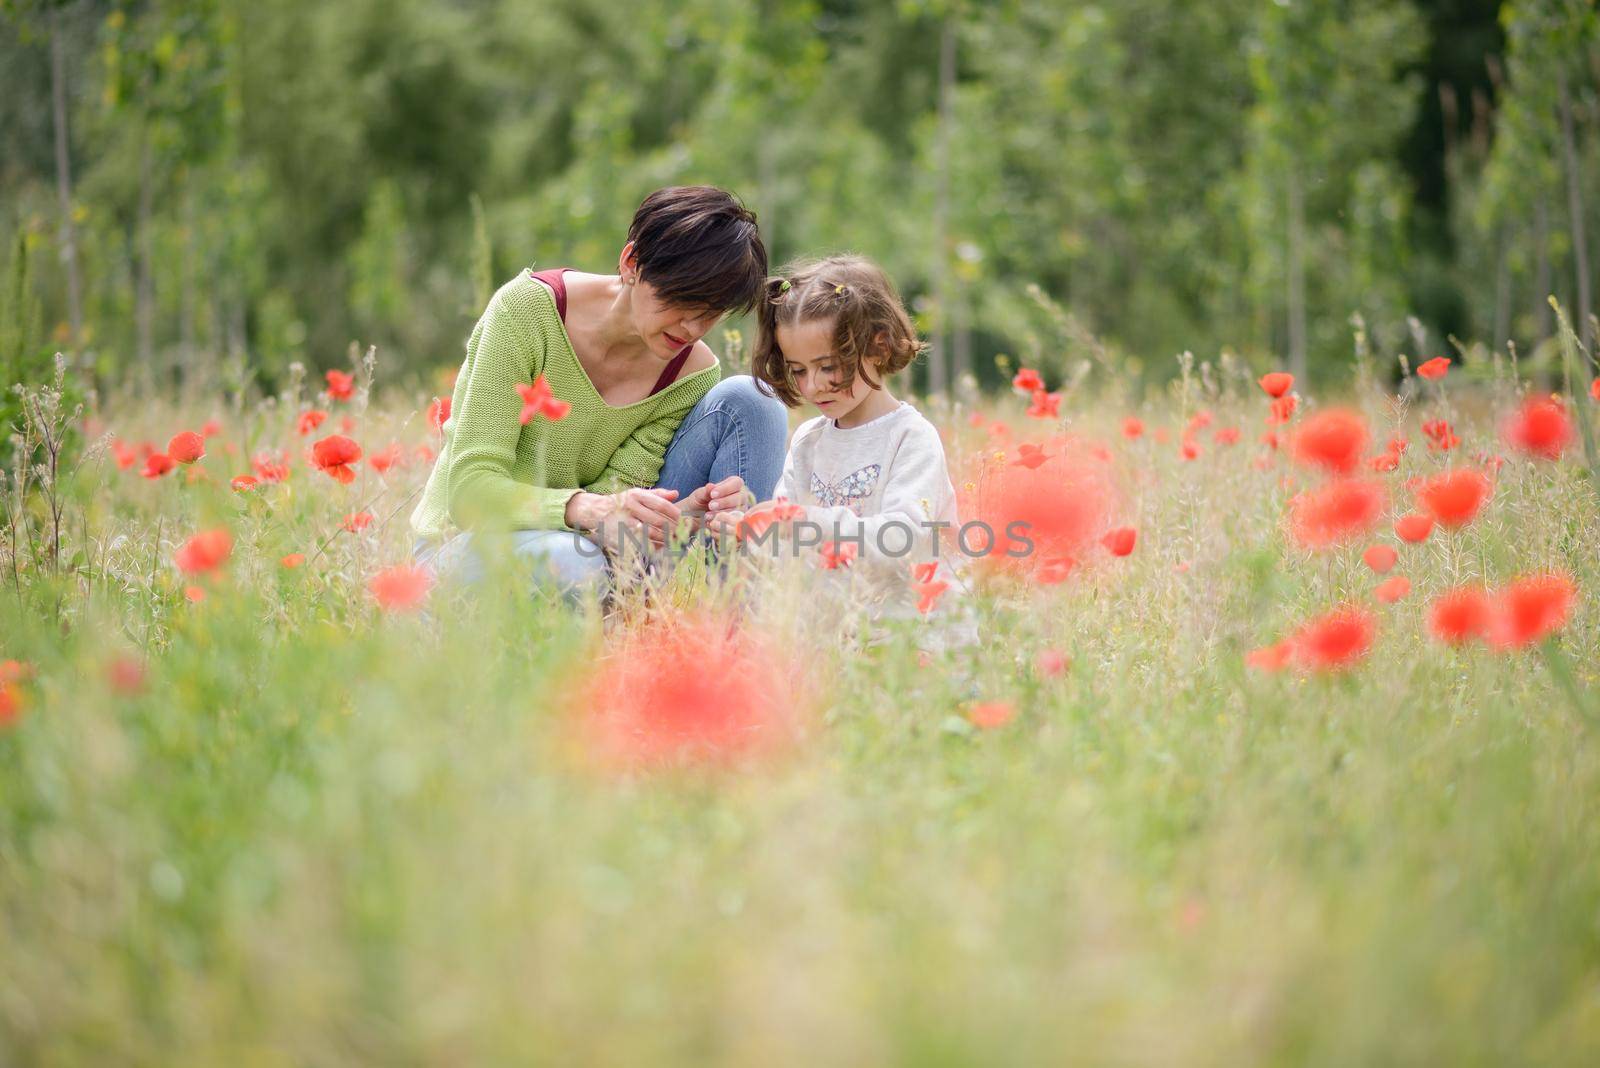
(699, 247)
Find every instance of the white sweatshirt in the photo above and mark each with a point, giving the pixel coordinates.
(884, 487)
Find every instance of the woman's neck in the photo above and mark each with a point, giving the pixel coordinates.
(612, 333)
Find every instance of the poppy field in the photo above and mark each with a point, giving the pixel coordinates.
(1281, 745)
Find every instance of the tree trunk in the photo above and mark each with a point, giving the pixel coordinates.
(1502, 292)
(144, 282)
(938, 353)
(1580, 241)
(69, 241)
(1297, 278)
(1541, 279)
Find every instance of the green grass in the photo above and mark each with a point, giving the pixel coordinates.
(322, 834)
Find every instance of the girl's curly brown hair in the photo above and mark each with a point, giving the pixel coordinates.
(870, 326)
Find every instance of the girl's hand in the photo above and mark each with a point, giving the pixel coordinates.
(725, 522)
(717, 496)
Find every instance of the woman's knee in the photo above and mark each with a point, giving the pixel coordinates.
(572, 560)
(741, 397)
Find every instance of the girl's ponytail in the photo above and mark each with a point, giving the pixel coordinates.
(767, 365)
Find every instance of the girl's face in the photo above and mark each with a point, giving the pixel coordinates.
(808, 351)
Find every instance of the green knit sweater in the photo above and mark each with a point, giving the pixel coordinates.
(494, 471)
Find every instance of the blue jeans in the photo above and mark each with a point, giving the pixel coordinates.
(733, 430)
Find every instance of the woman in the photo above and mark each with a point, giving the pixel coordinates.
(651, 434)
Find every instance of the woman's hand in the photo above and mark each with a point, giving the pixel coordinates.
(638, 508)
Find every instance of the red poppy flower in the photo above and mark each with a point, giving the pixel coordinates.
(1282, 410)
(157, 464)
(987, 715)
(1441, 436)
(1337, 512)
(1459, 615)
(1120, 542)
(194, 594)
(1054, 570)
(334, 456)
(292, 561)
(924, 571)
(124, 454)
(211, 428)
(1540, 428)
(999, 431)
(347, 424)
(1414, 528)
(733, 698)
(205, 552)
(438, 413)
(1454, 497)
(309, 421)
(837, 554)
(928, 594)
(384, 459)
(1227, 435)
(269, 468)
(1381, 558)
(1132, 427)
(356, 522)
(1337, 640)
(1188, 450)
(244, 483)
(1594, 389)
(1062, 507)
(1050, 663)
(1530, 608)
(1273, 657)
(400, 588)
(1333, 440)
(186, 447)
(538, 400)
(1027, 380)
(125, 675)
(1200, 420)
(12, 704)
(341, 385)
(1434, 369)
(1045, 405)
(1030, 455)
(1276, 383)
(1392, 589)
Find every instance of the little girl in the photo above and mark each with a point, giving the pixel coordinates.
(865, 482)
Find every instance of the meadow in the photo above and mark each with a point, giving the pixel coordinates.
(266, 799)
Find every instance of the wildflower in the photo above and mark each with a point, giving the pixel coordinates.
(211, 428)
(356, 522)
(1414, 528)
(1188, 450)
(1530, 608)
(194, 594)
(1054, 570)
(1335, 641)
(124, 454)
(1120, 542)
(309, 421)
(205, 552)
(1276, 383)
(1132, 427)
(1434, 369)
(157, 464)
(1200, 420)
(1441, 436)
(1282, 410)
(400, 588)
(1459, 615)
(334, 455)
(1337, 512)
(1540, 428)
(1049, 663)
(987, 715)
(1454, 497)
(186, 447)
(1027, 380)
(1269, 658)
(438, 413)
(341, 385)
(1594, 389)
(269, 468)
(928, 594)
(538, 400)
(384, 459)
(1381, 558)
(837, 554)
(244, 483)
(292, 561)
(1044, 405)
(1392, 589)
(1333, 440)
(347, 424)
(125, 675)
(12, 704)
(1030, 455)
(1227, 435)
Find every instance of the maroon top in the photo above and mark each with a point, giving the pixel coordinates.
(552, 278)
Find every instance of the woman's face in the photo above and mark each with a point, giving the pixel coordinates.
(667, 328)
